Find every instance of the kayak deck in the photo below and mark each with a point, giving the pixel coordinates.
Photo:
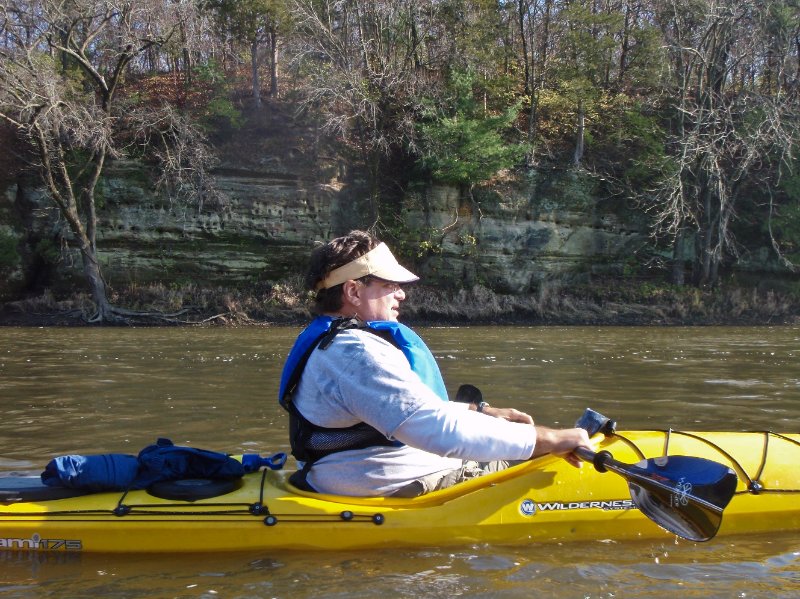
(543, 500)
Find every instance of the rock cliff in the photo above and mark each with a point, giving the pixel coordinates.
(264, 218)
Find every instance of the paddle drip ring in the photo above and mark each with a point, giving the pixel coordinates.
(600, 459)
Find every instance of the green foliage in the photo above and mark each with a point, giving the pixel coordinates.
(463, 145)
(219, 111)
(557, 116)
(589, 39)
(223, 109)
(468, 243)
(624, 138)
(786, 219)
(246, 20)
(9, 256)
(212, 74)
(428, 248)
(637, 140)
(48, 251)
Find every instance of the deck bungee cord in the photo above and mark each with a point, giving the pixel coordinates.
(753, 482)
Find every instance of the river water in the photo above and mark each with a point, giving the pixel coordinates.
(114, 390)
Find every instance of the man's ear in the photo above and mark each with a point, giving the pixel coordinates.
(351, 292)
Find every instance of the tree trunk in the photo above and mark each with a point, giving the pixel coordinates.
(578, 155)
(706, 238)
(545, 40)
(625, 45)
(187, 65)
(91, 268)
(521, 9)
(678, 275)
(532, 127)
(254, 70)
(273, 65)
(797, 57)
(713, 271)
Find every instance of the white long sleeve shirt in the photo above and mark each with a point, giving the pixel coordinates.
(363, 378)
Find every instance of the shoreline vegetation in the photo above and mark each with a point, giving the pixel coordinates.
(627, 137)
(286, 304)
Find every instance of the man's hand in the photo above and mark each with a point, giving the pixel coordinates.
(561, 442)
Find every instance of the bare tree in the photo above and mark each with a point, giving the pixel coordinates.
(533, 21)
(60, 70)
(181, 152)
(365, 67)
(724, 134)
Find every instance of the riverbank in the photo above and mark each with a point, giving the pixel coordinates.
(617, 304)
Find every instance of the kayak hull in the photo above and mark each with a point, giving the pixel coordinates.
(542, 501)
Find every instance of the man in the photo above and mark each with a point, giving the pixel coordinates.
(369, 414)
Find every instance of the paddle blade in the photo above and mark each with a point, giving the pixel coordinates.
(684, 495)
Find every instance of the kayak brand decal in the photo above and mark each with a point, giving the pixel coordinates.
(37, 543)
(614, 504)
(528, 507)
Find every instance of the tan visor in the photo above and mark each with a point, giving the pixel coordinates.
(378, 262)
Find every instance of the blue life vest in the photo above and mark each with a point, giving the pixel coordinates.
(406, 340)
(311, 442)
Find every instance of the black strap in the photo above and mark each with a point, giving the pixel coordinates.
(323, 341)
(299, 479)
(311, 442)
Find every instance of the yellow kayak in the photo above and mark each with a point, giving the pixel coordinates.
(541, 501)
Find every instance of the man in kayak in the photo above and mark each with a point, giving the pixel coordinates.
(368, 409)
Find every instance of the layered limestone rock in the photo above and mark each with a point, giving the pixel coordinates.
(512, 239)
(262, 222)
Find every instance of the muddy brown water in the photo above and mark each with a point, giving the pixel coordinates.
(115, 390)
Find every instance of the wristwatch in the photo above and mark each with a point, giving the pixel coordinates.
(482, 406)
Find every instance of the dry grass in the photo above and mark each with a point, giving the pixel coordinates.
(190, 303)
(288, 303)
(616, 304)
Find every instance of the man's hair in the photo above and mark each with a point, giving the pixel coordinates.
(330, 256)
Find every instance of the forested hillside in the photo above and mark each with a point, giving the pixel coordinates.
(678, 115)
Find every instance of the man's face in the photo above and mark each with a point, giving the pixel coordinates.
(379, 300)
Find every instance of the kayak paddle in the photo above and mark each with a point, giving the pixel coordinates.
(683, 494)
(469, 394)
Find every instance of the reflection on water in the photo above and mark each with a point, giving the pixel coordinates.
(116, 390)
(738, 567)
